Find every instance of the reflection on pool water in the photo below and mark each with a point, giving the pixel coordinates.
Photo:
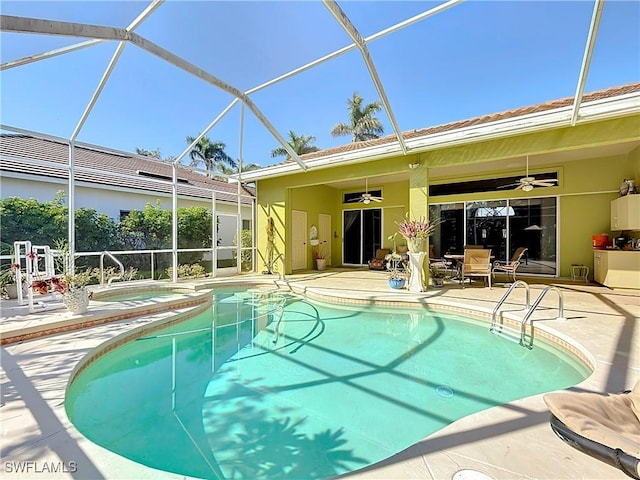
(246, 390)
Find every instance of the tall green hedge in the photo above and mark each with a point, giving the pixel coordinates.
(45, 223)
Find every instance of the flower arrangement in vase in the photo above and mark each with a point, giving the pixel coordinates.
(416, 232)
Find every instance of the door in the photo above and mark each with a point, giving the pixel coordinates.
(324, 235)
(362, 234)
(298, 240)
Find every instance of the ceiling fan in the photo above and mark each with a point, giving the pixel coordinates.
(366, 197)
(527, 183)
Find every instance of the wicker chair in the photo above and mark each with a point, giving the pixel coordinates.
(378, 262)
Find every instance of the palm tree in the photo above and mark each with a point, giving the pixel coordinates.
(363, 125)
(210, 153)
(245, 168)
(299, 143)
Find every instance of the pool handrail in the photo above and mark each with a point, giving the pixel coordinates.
(120, 265)
(515, 284)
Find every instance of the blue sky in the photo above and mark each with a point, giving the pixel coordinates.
(476, 58)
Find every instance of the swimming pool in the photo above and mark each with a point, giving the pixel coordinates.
(240, 392)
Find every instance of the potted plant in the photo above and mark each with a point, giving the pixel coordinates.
(8, 281)
(437, 276)
(72, 287)
(319, 256)
(397, 270)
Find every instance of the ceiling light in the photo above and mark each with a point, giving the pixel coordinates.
(527, 188)
(366, 200)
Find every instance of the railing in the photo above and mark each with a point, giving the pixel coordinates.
(521, 337)
(560, 316)
(513, 286)
(116, 277)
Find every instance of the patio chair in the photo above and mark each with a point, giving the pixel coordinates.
(510, 267)
(607, 427)
(378, 262)
(442, 265)
(476, 263)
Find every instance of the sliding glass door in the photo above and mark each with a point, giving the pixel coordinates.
(503, 226)
(534, 226)
(362, 235)
(487, 226)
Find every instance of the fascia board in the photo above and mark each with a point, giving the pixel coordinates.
(603, 109)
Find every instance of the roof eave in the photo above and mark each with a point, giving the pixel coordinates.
(597, 110)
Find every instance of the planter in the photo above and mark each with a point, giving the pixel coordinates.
(12, 290)
(437, 282)
(321, 263)
(397, 283)
(415, 245)
(76, 301)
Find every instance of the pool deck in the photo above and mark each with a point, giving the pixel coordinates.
(513, 441)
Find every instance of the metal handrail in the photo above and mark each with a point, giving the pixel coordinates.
(112, 257)
(504, 298)
(533, 307)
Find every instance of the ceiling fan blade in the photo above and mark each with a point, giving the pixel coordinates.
(509, 185)
(520, 185)
(354, 200)
(543, 183)
(376, 199)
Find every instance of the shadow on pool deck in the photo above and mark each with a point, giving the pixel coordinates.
(513, 441)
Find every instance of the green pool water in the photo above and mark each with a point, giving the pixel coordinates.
(243, 392)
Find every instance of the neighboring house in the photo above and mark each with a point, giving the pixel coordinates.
(114, 183)
(465, 173)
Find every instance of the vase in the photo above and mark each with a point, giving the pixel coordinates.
(415, 245)
(321, 263)
(76, 301)
(12, 290)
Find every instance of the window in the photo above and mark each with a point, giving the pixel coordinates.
(124, 213)
(246, 224)
(488, 185)
(502, 226)
(354, 197)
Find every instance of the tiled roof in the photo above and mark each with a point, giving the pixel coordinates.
(518, 112)
(102, 167)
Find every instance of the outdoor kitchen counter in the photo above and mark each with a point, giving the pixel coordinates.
(617, 268)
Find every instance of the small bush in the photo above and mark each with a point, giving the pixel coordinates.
(194, 270)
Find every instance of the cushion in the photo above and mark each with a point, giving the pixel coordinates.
(381, 253)
(607, 419)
